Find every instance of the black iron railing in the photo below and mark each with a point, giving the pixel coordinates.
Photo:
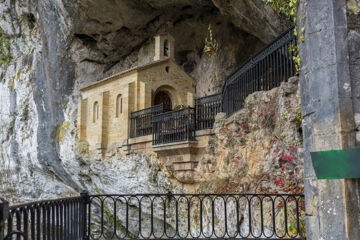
(159, 216)
(174, 126)
(265, 70)
(141, 121)
(50, 219)
(206, 109)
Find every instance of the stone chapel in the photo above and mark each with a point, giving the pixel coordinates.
(104, 111)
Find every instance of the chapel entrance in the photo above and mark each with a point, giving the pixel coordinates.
(163, 97)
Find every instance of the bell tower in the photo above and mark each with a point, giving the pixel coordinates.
(164, 46)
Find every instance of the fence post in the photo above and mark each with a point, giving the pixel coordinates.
(188, 124)
(84, 201)
(4, 213)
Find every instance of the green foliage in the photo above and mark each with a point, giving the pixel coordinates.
(5, 53)
(294, 51)
(286, 7)
(284, 116)
(299, 115)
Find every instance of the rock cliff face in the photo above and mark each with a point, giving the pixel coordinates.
(259, 148)
(55, 46)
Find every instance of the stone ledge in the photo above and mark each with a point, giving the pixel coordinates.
(204, 132)
(142, 139)
(174, 146)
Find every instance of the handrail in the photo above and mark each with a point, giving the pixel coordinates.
(153, 109)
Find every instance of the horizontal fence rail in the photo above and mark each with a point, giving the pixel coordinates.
(141, 121)
(62, 219)
(174, 126)
(206, 109)
(158, 216)
(265, 70)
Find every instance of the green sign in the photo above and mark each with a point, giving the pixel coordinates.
(337, 164)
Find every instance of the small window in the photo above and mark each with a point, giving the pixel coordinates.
(96, 112)
(167, 69)
(166, 48)
(118, 105)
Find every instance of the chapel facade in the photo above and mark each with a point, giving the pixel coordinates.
(106, 105)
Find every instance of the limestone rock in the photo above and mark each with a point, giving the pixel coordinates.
(259, 148)
(255, 17)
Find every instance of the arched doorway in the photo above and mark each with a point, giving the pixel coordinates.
(163, 97)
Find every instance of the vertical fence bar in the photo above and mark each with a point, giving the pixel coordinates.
(53, 221)
(4, 213)
(32, 226)
(25, 223)
(83, 207)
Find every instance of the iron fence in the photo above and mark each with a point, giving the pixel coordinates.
(159, 216)
(206, 109)
(174, 126)
(50, 219)
(264, 71)
(141, 121)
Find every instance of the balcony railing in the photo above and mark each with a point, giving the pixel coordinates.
(157, 216)
(174, 126)
(206, 109)
(265, 70)
(141, 121)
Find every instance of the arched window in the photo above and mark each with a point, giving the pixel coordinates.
(95, 111)
(119, 102)
(166, 48)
